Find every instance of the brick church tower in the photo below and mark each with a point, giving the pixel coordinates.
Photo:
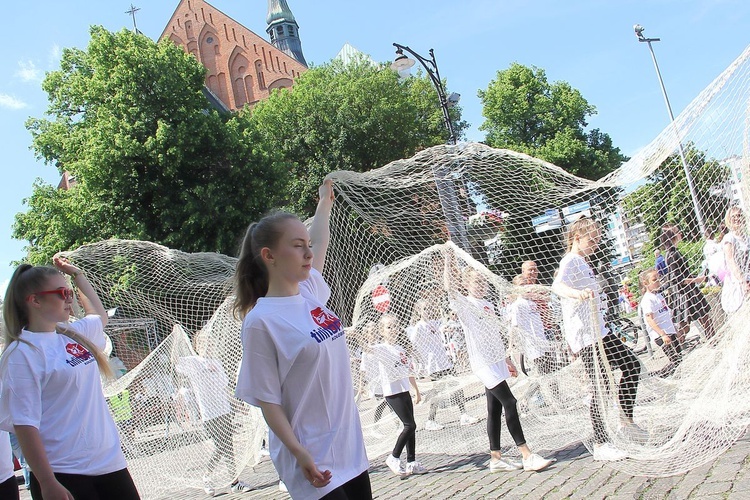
(242, 68)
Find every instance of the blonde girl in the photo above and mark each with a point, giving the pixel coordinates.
(51, 388)
(735, 247)
(658, 317)
(576, 285)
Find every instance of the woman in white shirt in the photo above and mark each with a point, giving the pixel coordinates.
(735, 243)
(576, 286)
(51, 388)
(295, 361)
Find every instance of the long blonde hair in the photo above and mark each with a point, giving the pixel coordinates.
(25, 281)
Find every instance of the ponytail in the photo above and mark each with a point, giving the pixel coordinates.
(26, 280)
(251, 275)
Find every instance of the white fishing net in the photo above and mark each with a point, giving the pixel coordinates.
(410, 243)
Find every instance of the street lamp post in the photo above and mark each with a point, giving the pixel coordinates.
(403, 62)
(446, 189)
(639, 33)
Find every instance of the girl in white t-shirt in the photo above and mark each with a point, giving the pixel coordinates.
(736, 256)
(393, 368)
(576, 285)
(51, 388)
(295, 361)
(8, 484)
(491, 366)
(658, 318)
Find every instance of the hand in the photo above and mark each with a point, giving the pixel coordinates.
(325, 191)
(666, 339)
(64, 265)
(310, 470)
(511, 368)
(56, 491)
(585, 294)
(417, 398)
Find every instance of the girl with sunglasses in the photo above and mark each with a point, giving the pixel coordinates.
(51, 394)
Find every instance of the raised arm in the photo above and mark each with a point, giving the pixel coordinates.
(89, 299)
(320, 230)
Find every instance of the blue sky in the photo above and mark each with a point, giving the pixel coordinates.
(590, 44)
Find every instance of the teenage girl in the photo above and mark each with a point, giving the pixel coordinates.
(295, 360)
(685, 298)
(576, 284)
(737, 258)
(51, 388)
(483, 346)
(656, 315)
(393, 375)
(428, 343)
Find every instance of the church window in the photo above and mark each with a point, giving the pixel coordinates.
(280, 30)
(291, 30)
(210, 40)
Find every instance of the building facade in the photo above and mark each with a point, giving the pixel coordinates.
(242, 67)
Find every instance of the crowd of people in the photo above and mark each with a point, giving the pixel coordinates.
(297, 362)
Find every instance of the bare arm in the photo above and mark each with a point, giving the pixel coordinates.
(279, 424)
(89, 299)
(36, 456)
(320, 230)
(562, 290)
(413, 383)
(649, 317)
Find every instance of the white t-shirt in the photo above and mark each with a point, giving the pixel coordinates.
(393, 368)
(53, 384)
(6, 457)
(294, 354)
(740, 250)
(580, 331)
(654, 303)
(209, 383)
(524, 315)
(369, 369)
(427, 340)
(483, 341)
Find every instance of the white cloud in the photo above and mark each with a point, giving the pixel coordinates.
(28, 72)
(10, 102)
(54, 55)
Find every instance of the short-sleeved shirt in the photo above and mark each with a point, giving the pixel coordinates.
(294, 354)
(484, 342)
(654, 303)
(524, 315)
(740, 250)
(579, 327)
(52, 383)
(393, 368)
(427, 340)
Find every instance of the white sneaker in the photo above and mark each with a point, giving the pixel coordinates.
(394, 464)
(467, 419)
(608, 453)
(536, 463)
(264, 452)
(415, 468)
(431, 425)
(504, 465)
(208, 486)
(282, 487)
(241, 487)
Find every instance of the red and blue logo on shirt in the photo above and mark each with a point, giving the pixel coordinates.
(79, 354)
(329, 326)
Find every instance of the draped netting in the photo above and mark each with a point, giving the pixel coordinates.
(433, 245)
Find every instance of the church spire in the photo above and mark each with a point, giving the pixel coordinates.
(283, 30)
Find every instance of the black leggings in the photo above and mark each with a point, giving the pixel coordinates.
(355, 489)
(116, 485)
(500, 398)
(9, 489)
(219, 429)
(402, 406)
(619, 356)
(673, 350)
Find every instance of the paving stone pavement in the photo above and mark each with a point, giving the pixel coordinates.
(575, 475)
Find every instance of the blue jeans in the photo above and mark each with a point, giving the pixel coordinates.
(21, 460)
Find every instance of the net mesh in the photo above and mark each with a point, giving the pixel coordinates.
(424, 256)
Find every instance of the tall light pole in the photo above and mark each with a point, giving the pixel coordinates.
(402, 63)
(701, 224)
(446, 189)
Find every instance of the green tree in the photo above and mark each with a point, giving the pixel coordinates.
(127, 118)
(347, 117)
(666, 198)
(526, 113)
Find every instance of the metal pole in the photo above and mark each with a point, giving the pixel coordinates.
(688, 175)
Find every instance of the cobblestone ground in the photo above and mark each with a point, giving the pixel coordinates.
(575, 475)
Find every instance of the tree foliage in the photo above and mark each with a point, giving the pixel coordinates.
(352, 116)
(526, 113)
(128, 119)
(666, 196)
